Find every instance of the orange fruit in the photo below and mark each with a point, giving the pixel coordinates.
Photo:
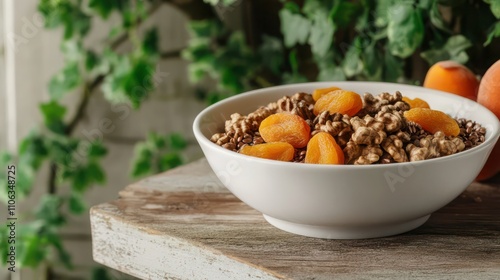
(452, 77)
(489, 96)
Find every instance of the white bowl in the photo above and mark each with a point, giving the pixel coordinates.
(345, 201)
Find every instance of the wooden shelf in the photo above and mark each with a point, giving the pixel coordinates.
(183, 224)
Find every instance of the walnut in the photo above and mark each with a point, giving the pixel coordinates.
(331, 123)
(422, 149)
(220, 138)
(337, 125)
(393, 121)
(384, 101)
(367, 131)
(394, 146)
(448, 146)
(361, 154)
(256, 117)
(369, 155)
(302, 96)
(300, 104)
(242, 130)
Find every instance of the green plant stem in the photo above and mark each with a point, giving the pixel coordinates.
(125, 36)
(87, 91)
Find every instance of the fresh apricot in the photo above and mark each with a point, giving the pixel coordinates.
(489, 96)
(319, 92)
(274, 150)
(433, 121)
(452, 77)
(339, 101)
(492, 165)
(323, 149)
(416, 102)
(285, 127)
(489, 89)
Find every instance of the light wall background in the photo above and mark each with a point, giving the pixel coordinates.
(37, 57)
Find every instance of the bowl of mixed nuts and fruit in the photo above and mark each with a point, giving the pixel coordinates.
(346, 159)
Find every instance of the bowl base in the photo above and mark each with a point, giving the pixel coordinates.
(342, 232)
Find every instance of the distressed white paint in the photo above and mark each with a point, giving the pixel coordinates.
(149, 255)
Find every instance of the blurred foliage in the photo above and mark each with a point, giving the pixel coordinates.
(344, 40)
(124, 77)
(324, 40)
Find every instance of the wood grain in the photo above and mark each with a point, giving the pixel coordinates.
(184, 224)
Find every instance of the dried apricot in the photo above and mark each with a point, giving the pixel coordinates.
(285, 127)
(275, 150)
(323, 149)
(433, 121)
(319, 92)
(339, 101)
(416, 102)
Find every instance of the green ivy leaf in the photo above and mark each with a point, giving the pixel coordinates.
(177, 141)
(331, 73)
(55, 240)
(157, 141)
(352, 63)
(139, 82)
(322, 31)
(382, 12)
(104, 8)
(169, 161)
(310, 7)
(64, 81)
(205, 28)
(328, 69)
(393, 67)
(79, 179)
(95, 173)
(294, 27)
(426, 4)
(76, 204)
(271, 53)
(372, 63)
(494, 33)
(101, 273)
(33, 150)
(454, 49)
(345, 12)
(113, 85)
(31, 245)
(405, 30)
(97, 150)
(53, 114)
(437, 19)
(150, 43)
(141, 162)
(91, 60)
(49, 210)
(495, 7)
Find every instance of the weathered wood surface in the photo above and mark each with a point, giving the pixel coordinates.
(184, 225)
